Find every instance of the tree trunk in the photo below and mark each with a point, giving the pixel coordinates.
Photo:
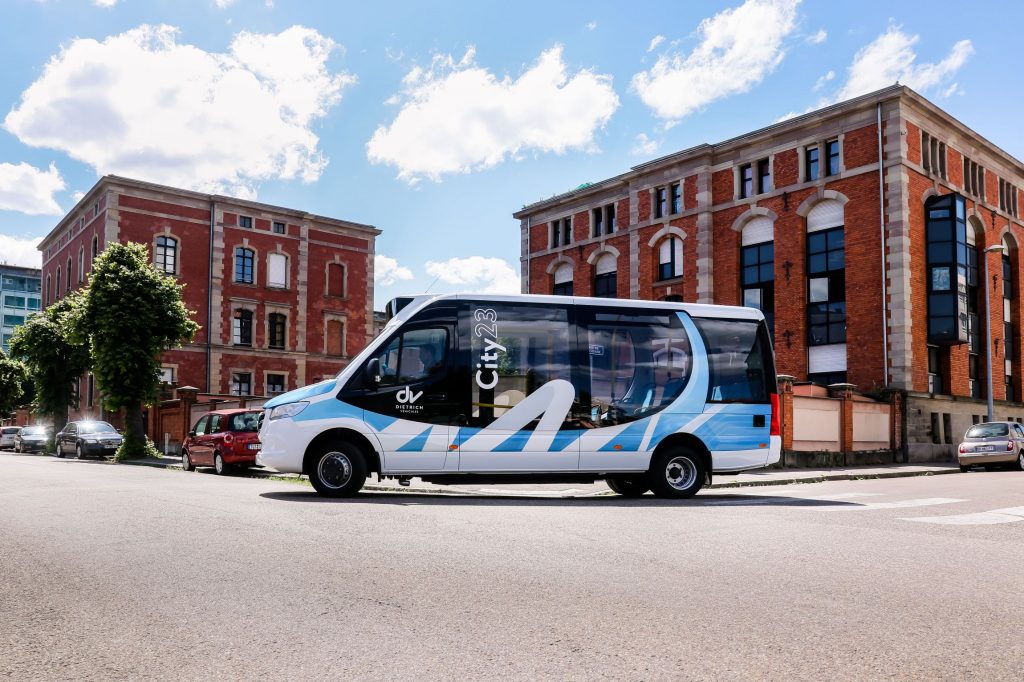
(133, 425)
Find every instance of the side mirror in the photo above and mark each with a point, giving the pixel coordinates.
(372, 371)
(192, 433)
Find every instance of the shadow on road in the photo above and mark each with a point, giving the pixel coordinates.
(420, 499)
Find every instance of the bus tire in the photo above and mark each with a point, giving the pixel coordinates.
(677, 473)
(337, 469)
(628, 486)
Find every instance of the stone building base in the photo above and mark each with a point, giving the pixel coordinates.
(935, 424)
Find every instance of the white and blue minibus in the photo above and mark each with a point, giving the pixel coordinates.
(647, 396)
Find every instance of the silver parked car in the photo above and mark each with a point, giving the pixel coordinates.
(7, 435)
(992, 443)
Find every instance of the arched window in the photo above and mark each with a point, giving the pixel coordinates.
(59, 281)
(277, 270)
(336, 279)
(562, 280)
(826, 293)
(95, 246)
(278, 325)
(1010, 339)
(48, 289)
(605, 284)
(241, 330)
(757, 273)
(67, 285)
(81, 264)
(166, 255)
(245, 265)
(670, 258)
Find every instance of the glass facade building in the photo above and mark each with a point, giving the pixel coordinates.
(19, 297)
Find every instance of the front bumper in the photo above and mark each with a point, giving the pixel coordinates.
(92, 449)
(33, 446)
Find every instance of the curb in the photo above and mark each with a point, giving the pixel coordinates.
(377, 488)
(836, 477)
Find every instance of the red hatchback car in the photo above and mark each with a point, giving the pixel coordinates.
(223, 439)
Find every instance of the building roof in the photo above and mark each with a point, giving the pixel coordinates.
(20, 270)
(794, 123)
(108, 181)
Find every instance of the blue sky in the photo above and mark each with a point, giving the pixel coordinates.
(436, 122)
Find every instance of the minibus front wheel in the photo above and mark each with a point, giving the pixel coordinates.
(337, 469)
(677, 473)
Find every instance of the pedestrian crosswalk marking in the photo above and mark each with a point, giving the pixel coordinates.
(985, 518)
(898, 504)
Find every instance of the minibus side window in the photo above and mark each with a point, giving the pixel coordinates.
(639, 363)
(514, 351)
(738, 359)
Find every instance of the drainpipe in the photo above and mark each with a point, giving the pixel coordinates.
(529, 248)
(209, 303)
(881, 224)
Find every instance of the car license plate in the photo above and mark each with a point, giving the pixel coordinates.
(987, 448)
(254, 446)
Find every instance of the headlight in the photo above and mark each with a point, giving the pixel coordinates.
(288, 410)
(91, 440)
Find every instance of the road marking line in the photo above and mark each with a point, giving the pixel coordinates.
(769, 498)
(899, 504)
(987, 518)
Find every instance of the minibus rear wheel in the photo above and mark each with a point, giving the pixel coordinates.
(677, 473)
(628, 486)
(337, 469)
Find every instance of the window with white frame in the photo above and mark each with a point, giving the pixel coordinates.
(166, 255)
(241, 383)
(241, 328)
(277, 270)
(670, 258)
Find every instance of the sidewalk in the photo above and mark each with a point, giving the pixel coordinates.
(764, 477)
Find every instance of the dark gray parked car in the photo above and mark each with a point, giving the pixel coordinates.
(992, 443)
(87, 439)
(31, 439)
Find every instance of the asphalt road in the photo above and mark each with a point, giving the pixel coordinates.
(117, 572)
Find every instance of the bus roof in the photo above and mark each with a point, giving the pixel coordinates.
(694, 309)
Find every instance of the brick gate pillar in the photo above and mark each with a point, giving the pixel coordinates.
(844, 392)
(786, 409)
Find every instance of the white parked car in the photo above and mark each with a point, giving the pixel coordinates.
(992, 443)
(7, 435)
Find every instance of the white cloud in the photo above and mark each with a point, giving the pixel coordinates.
(77, 195)
(30, 190)
(17, 251)
(738, 48)
(222, 4)
(387, 271)
(655, 41)
(458, 117)
(820, 83)
(104, 3)
(143, 105)
(591, 25)
(480, 274)
(643, 145)
(818, 38)
(890, 57)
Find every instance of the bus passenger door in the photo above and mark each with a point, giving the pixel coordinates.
(518, 391)
(412, 402)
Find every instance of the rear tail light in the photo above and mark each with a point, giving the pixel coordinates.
(963, 448)
(228, 439)
(776, 427)
(1009, 446)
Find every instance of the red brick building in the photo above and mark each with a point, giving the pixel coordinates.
(282, 297)
(792, 219)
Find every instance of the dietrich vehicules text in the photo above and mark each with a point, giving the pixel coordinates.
(648, 396)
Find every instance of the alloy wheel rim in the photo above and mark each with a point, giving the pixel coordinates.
(681, 473)
(218, 464)
(335, 469)
(184, 461)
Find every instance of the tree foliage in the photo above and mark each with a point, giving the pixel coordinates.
(12, 380)
(53, 357)
(131, 313)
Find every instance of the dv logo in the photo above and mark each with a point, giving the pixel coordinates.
(406, 395)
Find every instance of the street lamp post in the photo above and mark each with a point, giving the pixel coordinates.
(988, 329)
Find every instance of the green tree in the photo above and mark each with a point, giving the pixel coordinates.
(55, 361)
(12, 380)
(131, 314)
